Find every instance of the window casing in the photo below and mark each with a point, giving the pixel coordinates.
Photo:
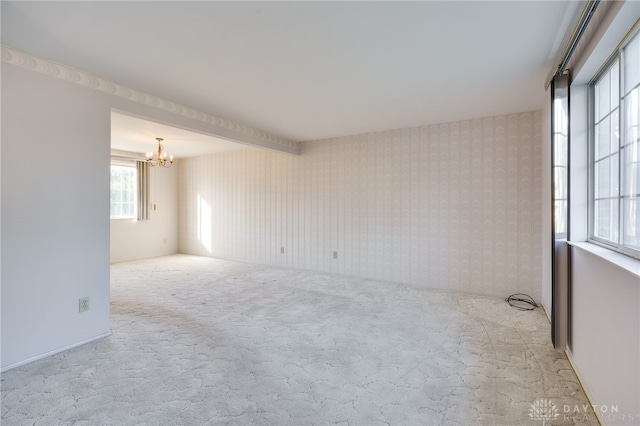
(614, 192)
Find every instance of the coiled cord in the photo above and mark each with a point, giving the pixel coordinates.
(521, 301)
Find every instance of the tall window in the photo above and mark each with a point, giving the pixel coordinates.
(123, 191)
(560, 162)
(615, 151)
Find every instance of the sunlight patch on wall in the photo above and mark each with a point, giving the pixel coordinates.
(204, 223)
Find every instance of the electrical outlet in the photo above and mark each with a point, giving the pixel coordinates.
(281, 250)
(83, 304)
(335, 254)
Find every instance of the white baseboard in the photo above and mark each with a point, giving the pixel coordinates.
(55, 351)
(544, 308)
(584, 388)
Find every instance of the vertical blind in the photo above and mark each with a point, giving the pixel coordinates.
(142, 169)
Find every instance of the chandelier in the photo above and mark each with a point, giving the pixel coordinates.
(161, 157)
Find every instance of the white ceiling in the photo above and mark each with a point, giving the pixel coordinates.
(309, 70)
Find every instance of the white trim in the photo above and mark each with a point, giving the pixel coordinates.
(119, 154)
(28, 61)
(544, 308)
(55, 351)
(592, 402)
(620, 260)
(123, 161)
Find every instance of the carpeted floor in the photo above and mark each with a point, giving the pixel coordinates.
(203, 341)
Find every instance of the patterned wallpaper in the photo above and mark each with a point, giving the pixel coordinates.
(455, 206)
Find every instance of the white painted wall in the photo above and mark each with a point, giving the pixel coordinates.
(454, 206)
(158, 236)
(55, 206)
(55, 223)
(604, 342)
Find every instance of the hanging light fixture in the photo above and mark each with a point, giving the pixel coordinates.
(161, 157)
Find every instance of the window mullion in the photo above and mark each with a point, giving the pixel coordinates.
(621, 138)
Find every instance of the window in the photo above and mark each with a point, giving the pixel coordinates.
(560, 161)
(615, 151)
(123, 191)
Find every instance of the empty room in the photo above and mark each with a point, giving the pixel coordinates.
(316, 213)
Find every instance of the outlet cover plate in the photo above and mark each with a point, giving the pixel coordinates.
(83, 304)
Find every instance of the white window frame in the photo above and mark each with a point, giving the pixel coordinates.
(618, 57)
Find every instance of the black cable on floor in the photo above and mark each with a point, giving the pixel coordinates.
(521, 301)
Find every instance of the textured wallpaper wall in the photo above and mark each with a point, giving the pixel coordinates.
(454, 206)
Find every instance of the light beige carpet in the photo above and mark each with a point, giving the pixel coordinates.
(203, 341)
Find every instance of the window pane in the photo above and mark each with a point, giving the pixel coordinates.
(606, 219)
(127, 197)
(631, 223)
(602, 135)
(603, 97)
(560, 152)
(614, 127)
(602, 179)
(614, 176)
(631, 167)
(632, 115)
(560, 126)
(615, 85)
(603, 219)
(560, 216)
(560, 180)
(614, 220)
(631, 57)
(127, 209)
(123, 191)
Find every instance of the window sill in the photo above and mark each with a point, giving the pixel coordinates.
(620, 260)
